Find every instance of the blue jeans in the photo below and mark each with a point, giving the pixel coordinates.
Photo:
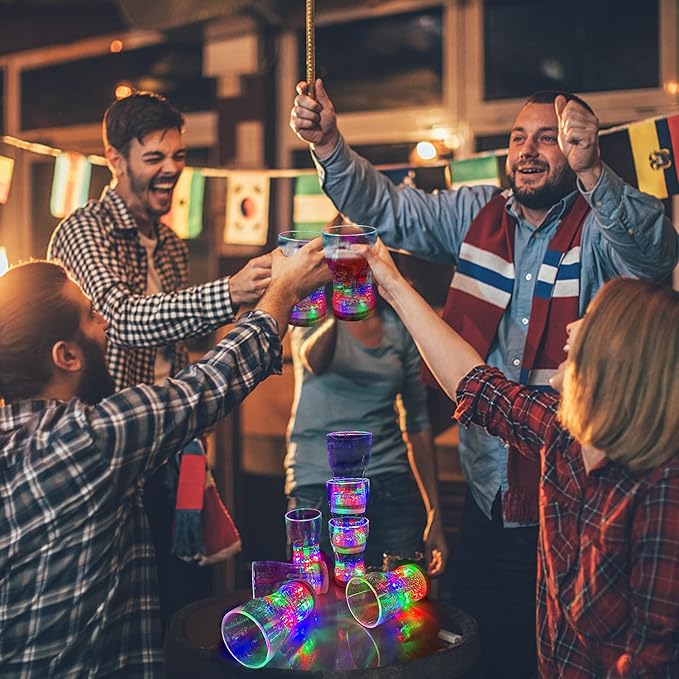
(395, 511)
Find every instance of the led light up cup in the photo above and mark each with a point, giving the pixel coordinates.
(311, 309)
(303, 527)
(348, 453)
(348, 537)
(268, 576)
(347, 496)
(353, 297)
(376, 597)
(253, 632)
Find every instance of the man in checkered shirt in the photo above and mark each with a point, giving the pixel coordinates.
(135, 269)
(77, 581)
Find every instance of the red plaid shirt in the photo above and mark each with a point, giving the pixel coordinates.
(608, 557)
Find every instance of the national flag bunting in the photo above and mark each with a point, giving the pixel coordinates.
(484, 170)
(312, 209)
(71, 183)
(247, 210)
(6, 169)
(186, 214)
(655, 151)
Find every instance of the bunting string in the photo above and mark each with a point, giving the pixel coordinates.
(644, 153)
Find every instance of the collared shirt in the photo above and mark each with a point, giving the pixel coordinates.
(99, 245)
(77, 572)
(608, 555)
(626, 233)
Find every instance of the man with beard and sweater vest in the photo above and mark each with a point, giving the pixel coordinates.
(528, 260)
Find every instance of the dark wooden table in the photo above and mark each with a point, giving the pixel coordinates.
(430, 639)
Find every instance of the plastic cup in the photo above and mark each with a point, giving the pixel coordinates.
(376, 597)
(349, 453)
(312, 308)
(303, 527)
(347, 496)
(353, 297)
(253, 632)
(268, 576)
(348, 537)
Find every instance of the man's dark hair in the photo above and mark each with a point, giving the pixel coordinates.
(548, 97)
(34, 315)
(136, 116)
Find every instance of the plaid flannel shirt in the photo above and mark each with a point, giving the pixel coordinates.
(608, 556)
(99, 245)
(77, 571)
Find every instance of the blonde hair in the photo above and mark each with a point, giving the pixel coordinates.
(621, 385)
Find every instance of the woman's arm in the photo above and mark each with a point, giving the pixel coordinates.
(447, 355)
(318, 348)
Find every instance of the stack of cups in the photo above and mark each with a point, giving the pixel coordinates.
(348, 490)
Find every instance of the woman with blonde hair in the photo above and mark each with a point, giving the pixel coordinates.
(608, 559)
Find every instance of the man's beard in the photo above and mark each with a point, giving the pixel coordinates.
(96, 381)
(550, 193)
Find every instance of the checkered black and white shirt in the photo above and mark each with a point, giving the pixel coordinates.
(99, 245)
(77, 571)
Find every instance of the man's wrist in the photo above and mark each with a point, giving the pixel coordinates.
(325, 150)
(589, 178)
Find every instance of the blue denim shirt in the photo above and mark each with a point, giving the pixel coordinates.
(625, 234)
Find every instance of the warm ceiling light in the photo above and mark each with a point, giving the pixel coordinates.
(123, 90)
(672, 87)
(116, 46)
(426, 150)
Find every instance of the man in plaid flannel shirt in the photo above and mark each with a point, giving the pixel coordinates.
(608, 555)
(77, 574)
(135, 269)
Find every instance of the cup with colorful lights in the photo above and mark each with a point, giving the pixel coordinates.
(254, 631)
(347, 496)
(348, 537)
(303, 526)
(312, 308)
(377, 596)
(268, 576)
(348, 453)
(353, 297)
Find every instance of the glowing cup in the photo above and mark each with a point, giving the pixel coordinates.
(253, 632)
(311, 309)
(376, 597)
(303, 527)
(268, 576)
(347, 496)
(348, 453)
(353, 297)
(348, 537)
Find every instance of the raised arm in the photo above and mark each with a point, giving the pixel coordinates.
(446, 354)
(629, 229)
(318, 347)
(138, 427)
(139, 320)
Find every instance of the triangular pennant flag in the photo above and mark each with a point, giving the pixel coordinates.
(312, 209)
(247, 210)
(476, 171)
(71, 183)
(6, 169)
(185, 217)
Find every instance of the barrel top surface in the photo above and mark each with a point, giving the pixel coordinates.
(330, 643)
